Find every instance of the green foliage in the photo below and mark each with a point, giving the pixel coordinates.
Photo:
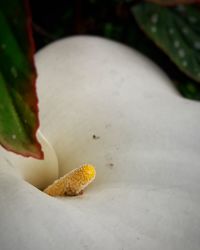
(18, 100)
(176, 31)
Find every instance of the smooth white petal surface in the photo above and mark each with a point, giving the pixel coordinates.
(146, 151)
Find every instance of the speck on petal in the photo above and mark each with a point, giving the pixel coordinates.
(176, 44)
(153, 29)
(197, 45)
(181, 53)
(154, 18)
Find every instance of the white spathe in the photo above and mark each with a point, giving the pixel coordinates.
(39, 173)
(105, 104)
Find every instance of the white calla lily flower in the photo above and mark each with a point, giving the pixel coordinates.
(105, 104)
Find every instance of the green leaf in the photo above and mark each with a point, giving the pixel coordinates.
(176, 31)
(18, 100)
(189, 89)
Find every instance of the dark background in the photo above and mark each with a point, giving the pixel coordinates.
(112, 19)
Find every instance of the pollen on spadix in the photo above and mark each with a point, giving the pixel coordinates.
(73, 183)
